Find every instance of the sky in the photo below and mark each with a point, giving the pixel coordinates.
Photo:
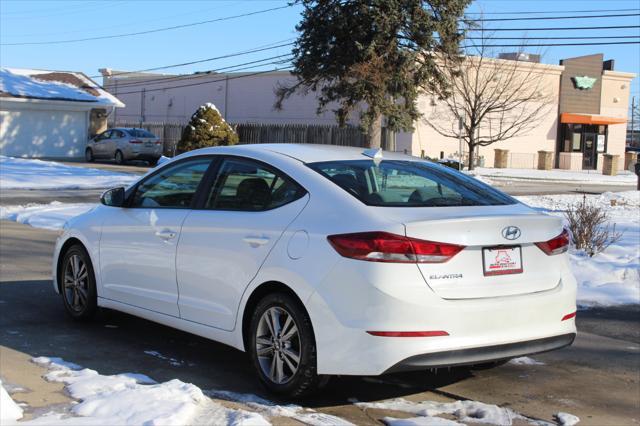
(28, 21)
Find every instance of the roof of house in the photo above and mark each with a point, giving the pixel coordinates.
(53, 85)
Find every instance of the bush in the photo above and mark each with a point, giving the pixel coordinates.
(206, 128)
(590, 228)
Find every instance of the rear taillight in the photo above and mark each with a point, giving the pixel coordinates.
(556, 245)
(386, 247)
(135, 141)
(158, 142)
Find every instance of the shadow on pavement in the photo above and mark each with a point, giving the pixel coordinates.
(33, 321)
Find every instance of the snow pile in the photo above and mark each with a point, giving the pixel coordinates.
(135, 399)
(9, 410)
(20, 173)
(525, 360)
(613, 276)
(428, 412)
(271, 409)
(556, 175)
(566, 419)
(51, 216)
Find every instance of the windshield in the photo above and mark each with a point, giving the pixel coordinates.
(409, 184)
(140, 133)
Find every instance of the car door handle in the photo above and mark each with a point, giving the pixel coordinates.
(166, 234)
(256, 241)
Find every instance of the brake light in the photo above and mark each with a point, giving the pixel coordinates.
(556, 245)
(386, 247)
(568, 316)
(135, 141)
(158, 142)
(436, 333)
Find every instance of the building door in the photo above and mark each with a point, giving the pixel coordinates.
(589, 152)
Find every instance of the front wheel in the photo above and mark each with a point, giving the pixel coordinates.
(88, 155)
(282, 346)
(78, 284)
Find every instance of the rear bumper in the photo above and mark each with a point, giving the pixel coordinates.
(482, 354)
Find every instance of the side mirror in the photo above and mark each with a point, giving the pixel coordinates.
(113, 197)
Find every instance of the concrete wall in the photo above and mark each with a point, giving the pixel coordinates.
(247, 99)
(615, 103)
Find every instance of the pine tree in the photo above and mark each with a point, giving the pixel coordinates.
(374, 56)
(206, 128)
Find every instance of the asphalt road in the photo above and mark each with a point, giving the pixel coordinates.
(597, 379)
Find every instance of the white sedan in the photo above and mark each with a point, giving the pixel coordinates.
(320, 260)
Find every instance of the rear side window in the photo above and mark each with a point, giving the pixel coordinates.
(409, 184)
(246, 185)
(140, 133)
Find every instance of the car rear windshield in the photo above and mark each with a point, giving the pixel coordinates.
(140, 133)
(409, 184)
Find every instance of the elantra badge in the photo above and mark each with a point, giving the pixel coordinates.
(511, 233)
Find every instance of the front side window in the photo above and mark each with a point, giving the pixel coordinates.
(172, 187)
(409, 184)
(245, 185)
(104, 135)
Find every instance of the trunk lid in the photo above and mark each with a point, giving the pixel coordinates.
(480, 228)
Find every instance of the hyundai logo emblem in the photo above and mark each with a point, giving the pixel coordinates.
(511, 233)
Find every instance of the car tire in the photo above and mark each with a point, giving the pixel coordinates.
(153, 162)
(88, 155)
(78, 284)
(276, 365)
(119, 157)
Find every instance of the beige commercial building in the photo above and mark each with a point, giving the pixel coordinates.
(585, 119)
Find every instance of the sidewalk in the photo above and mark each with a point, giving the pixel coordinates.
(556, 175)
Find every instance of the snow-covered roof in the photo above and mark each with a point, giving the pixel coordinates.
(53, 85)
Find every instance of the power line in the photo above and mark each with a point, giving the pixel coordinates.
(538, 12)
(554, 38)
(203, 82)
(554, 28)
(199, 61)
(552, 44)
(202, 74)
(540, 18)
(155, 30)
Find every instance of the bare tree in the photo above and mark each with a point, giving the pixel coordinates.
(488, 100)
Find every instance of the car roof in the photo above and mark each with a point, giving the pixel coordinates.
(312, 153)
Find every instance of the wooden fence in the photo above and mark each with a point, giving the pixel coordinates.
(252, 133)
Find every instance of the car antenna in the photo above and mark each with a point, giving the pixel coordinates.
(375, 154)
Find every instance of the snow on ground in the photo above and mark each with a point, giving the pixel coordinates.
(430, 412)
(525, 360)
(50, 216)
(10, 412)
(20, 173)
(566, 419)
(613, 276)
(556, 175)
(135, 399)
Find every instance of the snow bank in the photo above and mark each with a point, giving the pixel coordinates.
(51, 216)
(556, 175)
(10, 412)
(428, 412)
(611, 277)
(134, 399)
(20, 173)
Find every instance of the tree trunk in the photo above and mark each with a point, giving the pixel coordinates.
(375, 133)
(471, 166)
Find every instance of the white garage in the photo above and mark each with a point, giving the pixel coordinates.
(50, 114)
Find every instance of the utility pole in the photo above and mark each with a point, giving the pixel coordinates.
(633, 115)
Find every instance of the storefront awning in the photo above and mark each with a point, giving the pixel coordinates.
(570, 118)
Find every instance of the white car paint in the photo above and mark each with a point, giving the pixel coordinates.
(200, 280)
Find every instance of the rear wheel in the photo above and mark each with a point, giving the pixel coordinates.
(119, 157)
(153, 162)
(282, 346)
(78, 284)
(88, 155)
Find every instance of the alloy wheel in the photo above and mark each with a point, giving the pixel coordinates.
(278, 345)
(76, 283)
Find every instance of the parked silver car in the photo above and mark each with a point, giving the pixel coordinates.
(124, 144)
